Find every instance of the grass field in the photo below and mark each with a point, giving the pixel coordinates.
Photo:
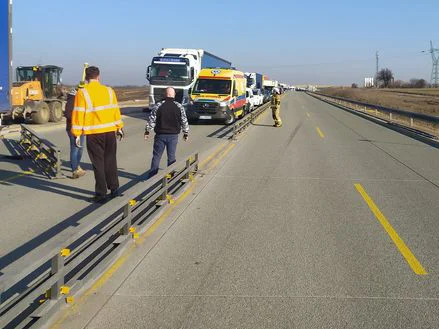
(131, 93)
(415, 100)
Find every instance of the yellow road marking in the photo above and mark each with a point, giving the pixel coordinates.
(122, 259)
(214, 153)
(24, 173)
(403, 249)
(320, 132)
(227, 150)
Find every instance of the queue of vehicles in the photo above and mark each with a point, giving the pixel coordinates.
(207, 85)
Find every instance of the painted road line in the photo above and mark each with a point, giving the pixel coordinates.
(24, 173)
(320, 132)
(226, 151)
(402, 247)
(213, 154)
(124, 257)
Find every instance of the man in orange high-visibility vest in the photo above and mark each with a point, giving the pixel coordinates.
(96, 115)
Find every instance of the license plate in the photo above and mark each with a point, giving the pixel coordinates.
(205, 117)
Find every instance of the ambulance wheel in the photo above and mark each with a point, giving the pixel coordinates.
(56, 112)
(230, 118)
(41, 113)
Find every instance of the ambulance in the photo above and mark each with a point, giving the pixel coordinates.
(218, 94)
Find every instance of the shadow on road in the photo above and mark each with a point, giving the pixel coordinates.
(72, 221)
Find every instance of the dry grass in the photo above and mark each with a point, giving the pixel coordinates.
(415, 100)
(131, 93)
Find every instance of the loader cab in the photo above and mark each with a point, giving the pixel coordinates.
(49, 77)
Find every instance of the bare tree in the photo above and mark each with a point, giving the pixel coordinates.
(385, 76)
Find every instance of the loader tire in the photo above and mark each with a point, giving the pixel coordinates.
(41, 113)
(56, 113)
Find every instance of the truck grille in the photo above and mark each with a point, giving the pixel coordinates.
(159, 94)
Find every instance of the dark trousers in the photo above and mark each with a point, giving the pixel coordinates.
(160, 142)
(102, 152)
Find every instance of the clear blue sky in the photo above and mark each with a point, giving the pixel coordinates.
(299, 42)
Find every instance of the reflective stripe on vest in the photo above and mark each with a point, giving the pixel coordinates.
(101, 126)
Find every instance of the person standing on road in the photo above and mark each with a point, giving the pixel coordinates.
(167, 119)
(275, 108)
(75, 151)
(96, 114)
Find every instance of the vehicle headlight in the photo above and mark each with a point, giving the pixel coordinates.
(223, 104)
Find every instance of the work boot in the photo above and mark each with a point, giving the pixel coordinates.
(115, 194)
(78, 173)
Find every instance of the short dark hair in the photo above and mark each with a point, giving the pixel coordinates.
(92, 72)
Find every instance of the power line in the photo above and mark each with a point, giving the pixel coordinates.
(280, 66)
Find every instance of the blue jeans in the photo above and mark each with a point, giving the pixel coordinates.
(75, 152)
(160, 142)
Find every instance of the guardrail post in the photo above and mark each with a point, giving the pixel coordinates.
(188, 165)
(411, 122)
(127, 216)
(57, 264)
(165, 187)
(390, 116)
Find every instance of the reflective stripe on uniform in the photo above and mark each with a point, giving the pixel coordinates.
(87, 98)
(103, 107)
(111, 94)
(79, 109)
(105, 125)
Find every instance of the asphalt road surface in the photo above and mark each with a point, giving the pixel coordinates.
(328, 222)
(34, 208)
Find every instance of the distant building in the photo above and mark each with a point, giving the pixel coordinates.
(368, 82)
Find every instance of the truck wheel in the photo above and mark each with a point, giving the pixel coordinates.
(41, 113)
(56, 112)
(230, 118)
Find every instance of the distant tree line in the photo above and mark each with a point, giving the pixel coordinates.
(385, 79)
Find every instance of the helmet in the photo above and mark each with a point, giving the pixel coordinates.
(275, 91)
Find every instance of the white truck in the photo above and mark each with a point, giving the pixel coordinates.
(179, 68)
(270, 84)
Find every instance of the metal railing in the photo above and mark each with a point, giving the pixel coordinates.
(242, 124)
(46, 155)
(35, 286)
(427, 125)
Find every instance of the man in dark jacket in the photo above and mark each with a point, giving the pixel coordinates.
(75, 151)
(167, 119)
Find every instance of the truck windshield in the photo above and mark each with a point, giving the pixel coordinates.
(169, 74)
(210, 86)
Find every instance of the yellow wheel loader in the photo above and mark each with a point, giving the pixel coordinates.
(38, 94)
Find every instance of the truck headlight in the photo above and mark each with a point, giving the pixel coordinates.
(223, 104)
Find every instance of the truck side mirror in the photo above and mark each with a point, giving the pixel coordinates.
(148, 73)
(192, 73)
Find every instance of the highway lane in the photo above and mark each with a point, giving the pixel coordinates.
(34, 208)
(328, 222)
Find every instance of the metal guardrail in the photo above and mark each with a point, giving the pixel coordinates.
(34, 287)
(46, 155)
(423, 123)
(241, 125)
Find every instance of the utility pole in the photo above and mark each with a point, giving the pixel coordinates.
(377, 68)
(377, 62)
(435, 68)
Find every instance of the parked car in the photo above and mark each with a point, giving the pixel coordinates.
(250, 100)
(259, 98)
